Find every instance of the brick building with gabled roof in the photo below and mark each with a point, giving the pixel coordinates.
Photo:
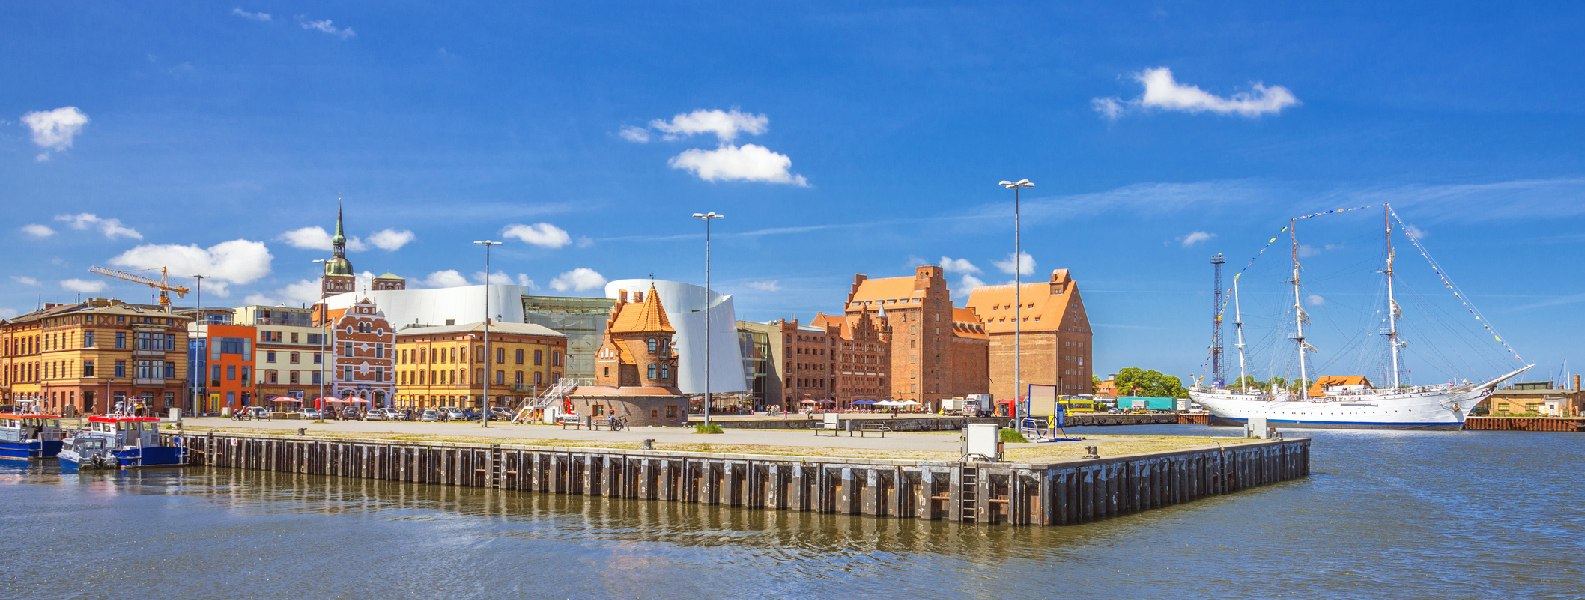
(635, 369)
(1056, 337)
(929, 359)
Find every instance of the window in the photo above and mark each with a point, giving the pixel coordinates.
(606, 372)
(652, 348)
(539, 378)
(346, 348)
(379, 373)
(231, 372)
(296, 358)
(121, 368)
(519, 356)
(294, 337)
(665, 371)
(88, 368)
(319, 359)
(539, 357)
(555, 358)
(517, 377)
(269, 356)
(170, 370)
(214, 375)
(346, 373)
(651, 370)
(316, 378)
(121, 339)
(500, 356)
(671, 411)
(247, 373)
(315, 338)
(88, 339)
(500, 378)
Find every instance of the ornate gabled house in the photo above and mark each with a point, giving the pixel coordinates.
(635, 369)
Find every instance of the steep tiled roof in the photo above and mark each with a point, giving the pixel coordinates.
(823, 320)
(642, 317)
(1325, 381)
(966, 323)
(1047, 304)
(888, 292)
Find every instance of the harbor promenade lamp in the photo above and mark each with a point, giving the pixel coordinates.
(1018, 284)
(484, 403)
(324, 331)
(707, 218)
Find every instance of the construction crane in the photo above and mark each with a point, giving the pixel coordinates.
(162, 284)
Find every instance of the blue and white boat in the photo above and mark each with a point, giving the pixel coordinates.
(28, 433)
(121, 441)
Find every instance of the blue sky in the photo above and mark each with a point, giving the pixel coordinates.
(836, 138)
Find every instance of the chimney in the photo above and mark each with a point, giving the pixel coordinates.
(1576, 383)
(621, 296)
(638, 297)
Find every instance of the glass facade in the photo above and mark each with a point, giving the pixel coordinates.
(582, 320)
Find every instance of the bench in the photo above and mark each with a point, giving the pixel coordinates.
(618, 424)
(875, 426)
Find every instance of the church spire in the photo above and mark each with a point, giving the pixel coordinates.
(339, 243)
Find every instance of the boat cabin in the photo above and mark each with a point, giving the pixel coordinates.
(27, 423)
(118, 431)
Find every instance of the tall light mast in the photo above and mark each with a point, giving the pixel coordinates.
(1218, 376)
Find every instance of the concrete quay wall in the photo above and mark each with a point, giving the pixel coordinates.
(942, 423)
(976, 492)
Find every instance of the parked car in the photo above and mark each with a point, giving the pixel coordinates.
(502, 413)
(395, 414)
(351, 413)
(312, 414)
(430, 415)
(455, 414)
(258, 412)
(377, 414)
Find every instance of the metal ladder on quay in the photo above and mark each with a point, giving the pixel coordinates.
(967, 503)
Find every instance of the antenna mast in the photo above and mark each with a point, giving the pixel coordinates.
(1299, 316)
(1218, 376)
(1393, 313)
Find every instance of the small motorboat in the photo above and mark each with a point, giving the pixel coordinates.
(121, 441)
(29, 433)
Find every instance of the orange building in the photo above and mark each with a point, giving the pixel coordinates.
(229, 366)
(1056, 338)
(970, 354)
(86, 357)
(635, 369)
(918, 311)
(860, 363)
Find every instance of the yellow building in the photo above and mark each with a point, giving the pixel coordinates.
(446, 366)
(19, 359)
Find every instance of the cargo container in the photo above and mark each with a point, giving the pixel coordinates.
(1147, 403)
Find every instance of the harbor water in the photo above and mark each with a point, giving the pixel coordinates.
(1384, 513)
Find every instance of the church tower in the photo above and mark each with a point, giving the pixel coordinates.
(339, 276)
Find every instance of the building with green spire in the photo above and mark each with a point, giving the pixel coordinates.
(339, 277)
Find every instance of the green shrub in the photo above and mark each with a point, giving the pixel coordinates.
(707, 428)
(1013, 436)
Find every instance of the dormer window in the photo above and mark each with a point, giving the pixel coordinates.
(652, 350)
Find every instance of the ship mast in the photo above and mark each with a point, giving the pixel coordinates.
(1238, 327)
(1299, 317)
(1392, 303)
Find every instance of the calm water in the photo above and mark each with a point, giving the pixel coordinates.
(1455, 514)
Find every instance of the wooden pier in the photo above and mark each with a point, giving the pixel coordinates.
(978, 492)
(1558, 424)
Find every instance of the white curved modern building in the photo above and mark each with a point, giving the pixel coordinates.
(684, 304)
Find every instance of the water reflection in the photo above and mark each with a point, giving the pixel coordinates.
(1446, 513)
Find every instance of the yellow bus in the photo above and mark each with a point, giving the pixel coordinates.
(1073, 405)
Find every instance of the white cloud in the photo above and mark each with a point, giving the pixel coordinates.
(252, 16)
(637, 135)
(1306, 250)
(1026, 264)
(236, 261)
(578, 280)
(770, 285)
(297, 293)
(444, 279)
(326, 26)
(37, 230)
(585, 242)
(390, 240)
(968, 283)
(111, 228)
(726, 125)
(1315, 300)
(315, 237)
(83, 286)
(25, 280)
(748, 162)
(1164, 93)
(958, 265)
(543, 235)
(54, 130)
(1195, 237)
(1415, 233)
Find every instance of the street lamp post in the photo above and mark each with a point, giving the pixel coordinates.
(484, 403)
(707, 218)
(324, 327)
(197, 330)
(1018, 284)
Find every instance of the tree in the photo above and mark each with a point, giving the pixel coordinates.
(1134, 381)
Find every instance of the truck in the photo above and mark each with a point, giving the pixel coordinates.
(972, 405)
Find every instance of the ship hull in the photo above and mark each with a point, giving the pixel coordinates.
(1444, 407)
(29, 449)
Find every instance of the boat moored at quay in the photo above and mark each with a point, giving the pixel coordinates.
(121, 441)
(1349, 402)
(29, 433)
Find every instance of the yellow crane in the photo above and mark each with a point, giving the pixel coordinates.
(162, 284)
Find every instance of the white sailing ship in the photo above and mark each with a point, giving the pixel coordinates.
(1443, 406)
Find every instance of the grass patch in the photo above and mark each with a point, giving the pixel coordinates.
(707, 428)
(1012, 436)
